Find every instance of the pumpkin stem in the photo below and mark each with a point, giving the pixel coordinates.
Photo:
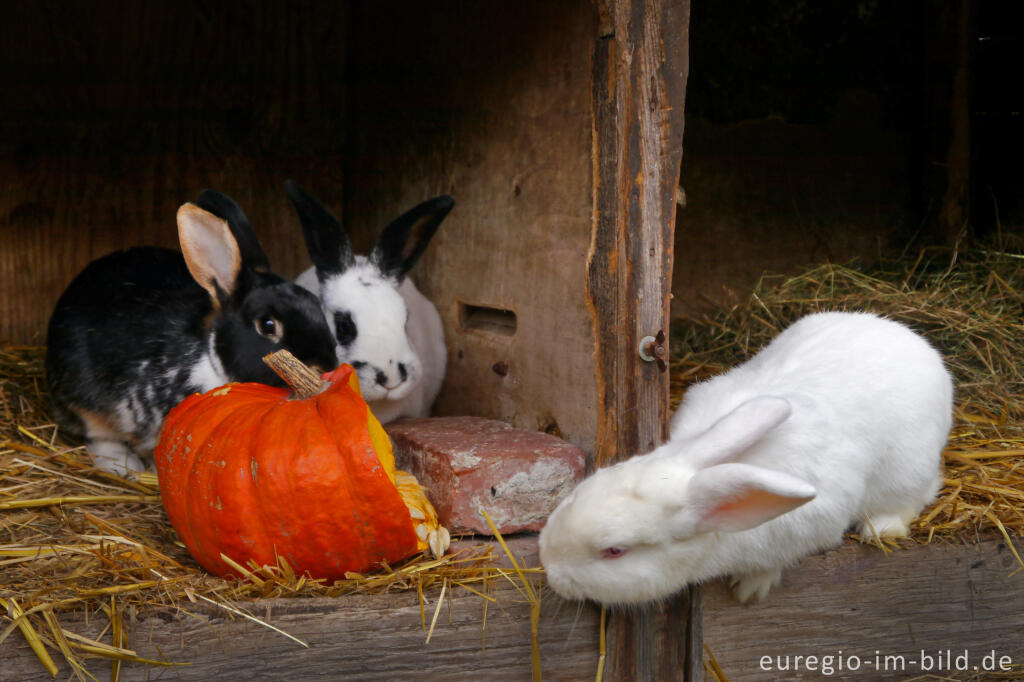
(304, 381)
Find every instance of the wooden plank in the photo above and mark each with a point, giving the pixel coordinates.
(854, 599)
(858, 600)
(356, 637)
(640, 66)
(496, 112)
(657, 642)
(112, 119)
(639, 85)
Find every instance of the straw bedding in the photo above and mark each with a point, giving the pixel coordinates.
(74, 538)
(969, 305)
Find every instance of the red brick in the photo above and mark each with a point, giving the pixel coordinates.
(466, 463)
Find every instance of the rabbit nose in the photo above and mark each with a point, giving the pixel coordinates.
(389, 381)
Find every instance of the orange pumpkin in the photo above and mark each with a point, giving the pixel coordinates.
(250, 471)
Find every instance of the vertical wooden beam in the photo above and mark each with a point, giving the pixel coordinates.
(659, 642)
(639, 87)
(640, 67)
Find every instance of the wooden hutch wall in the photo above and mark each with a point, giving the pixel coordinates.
(110, 122)
(489, 102)
(556, 126)
(113, 115)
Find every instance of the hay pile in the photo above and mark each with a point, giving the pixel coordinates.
(74, 538)
(970, 305)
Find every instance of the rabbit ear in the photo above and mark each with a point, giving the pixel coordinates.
(326, 239)
(210, 251)
(739, 430)
(403, 241)
(224, 207)
(735, 497)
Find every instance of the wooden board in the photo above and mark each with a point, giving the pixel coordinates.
(350, 638)
(113, 119)
(857, 600)
(639, 86)
(489, 102)
(357, 638)
(854, 599)
(640, 67)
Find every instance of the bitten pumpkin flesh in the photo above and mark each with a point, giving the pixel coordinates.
(246, 472)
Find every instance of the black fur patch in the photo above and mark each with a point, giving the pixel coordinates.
(345, 329)
(128, 331)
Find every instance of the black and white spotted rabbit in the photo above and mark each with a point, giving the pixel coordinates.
(384, 327)
(140, 329)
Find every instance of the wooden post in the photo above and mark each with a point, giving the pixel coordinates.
(640, 66)
(639, 86)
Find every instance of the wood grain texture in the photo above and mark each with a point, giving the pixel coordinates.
(639, 85)
(858, 600)
(357, 638)
(661, 642)
(111, 118)
(854, 599)
(488, 102)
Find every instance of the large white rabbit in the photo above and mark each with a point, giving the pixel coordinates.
(385, 328)
(839, 421)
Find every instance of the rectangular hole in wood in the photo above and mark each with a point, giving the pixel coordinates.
(484, 318)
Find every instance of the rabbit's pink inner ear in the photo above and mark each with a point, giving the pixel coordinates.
(749, 509)
(210, 250)
(735, 497)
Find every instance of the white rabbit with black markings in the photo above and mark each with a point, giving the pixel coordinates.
(140, 329)
(839, 421)
(384, 327)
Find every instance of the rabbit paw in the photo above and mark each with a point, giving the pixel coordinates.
(885, 525)
(115, 457)
(754, 585)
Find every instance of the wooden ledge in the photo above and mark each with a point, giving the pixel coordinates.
(858, 600)
(855, 599)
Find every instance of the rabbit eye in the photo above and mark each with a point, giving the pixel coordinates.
(269, 327)
(345, 328)
(613, 552)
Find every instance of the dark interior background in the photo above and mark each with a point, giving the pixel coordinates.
(821, 131)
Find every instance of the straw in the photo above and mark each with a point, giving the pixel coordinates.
(711, 666)
(16, 614)
(532, 597)
(77, 539)
(969, 304)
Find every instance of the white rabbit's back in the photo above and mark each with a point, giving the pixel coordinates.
(862, 371)
(872, 409)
